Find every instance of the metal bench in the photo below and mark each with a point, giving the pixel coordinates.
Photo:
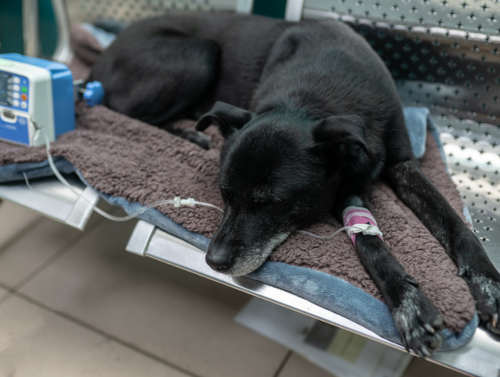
(444, 54)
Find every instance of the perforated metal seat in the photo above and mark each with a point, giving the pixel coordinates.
(130, 10)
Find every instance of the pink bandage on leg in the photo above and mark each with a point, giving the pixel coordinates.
(353, 216)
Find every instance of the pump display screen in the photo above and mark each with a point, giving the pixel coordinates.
(14, 91)
(4, 79)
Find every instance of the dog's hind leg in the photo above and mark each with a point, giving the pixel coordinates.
(158, 76)
(420, 195)
(415, 317)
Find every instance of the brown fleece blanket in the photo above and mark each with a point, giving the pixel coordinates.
(124, 157)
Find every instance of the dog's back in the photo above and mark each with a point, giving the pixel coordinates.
(219, 56)
(254, 62)
(178, 65)
(325, 68)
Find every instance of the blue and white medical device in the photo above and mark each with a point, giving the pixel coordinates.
(36, 100)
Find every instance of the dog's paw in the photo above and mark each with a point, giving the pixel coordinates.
(418, 322)
(482, 278)
(195, 137)
(486, 293)
(201, 139)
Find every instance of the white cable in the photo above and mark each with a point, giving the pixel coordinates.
(26, 181)
(177, 201)
(366, 229)
(329, 237)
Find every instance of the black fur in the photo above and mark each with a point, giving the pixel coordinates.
(314, 119)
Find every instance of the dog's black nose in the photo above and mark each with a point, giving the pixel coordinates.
(220, 260)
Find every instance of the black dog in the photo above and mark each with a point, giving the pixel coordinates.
(321, 121)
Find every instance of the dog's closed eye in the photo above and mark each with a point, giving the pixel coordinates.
(265, 196)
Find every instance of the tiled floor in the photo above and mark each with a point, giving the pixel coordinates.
(75, 304)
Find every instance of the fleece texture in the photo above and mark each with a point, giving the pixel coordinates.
(125, 158)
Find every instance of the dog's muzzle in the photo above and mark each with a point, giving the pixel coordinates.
(238, 261)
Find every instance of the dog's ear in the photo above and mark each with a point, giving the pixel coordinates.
(339, 138)
(226, 116)
(340, 130)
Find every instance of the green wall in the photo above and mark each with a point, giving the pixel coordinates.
(47, 28)
(11, 27)
(270, 8)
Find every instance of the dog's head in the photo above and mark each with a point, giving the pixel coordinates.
(278, 172)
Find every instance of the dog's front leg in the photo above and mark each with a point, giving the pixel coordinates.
(420, 195)
(415, 317)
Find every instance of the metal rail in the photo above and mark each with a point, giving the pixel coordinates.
(478, 357)
(52, 199)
